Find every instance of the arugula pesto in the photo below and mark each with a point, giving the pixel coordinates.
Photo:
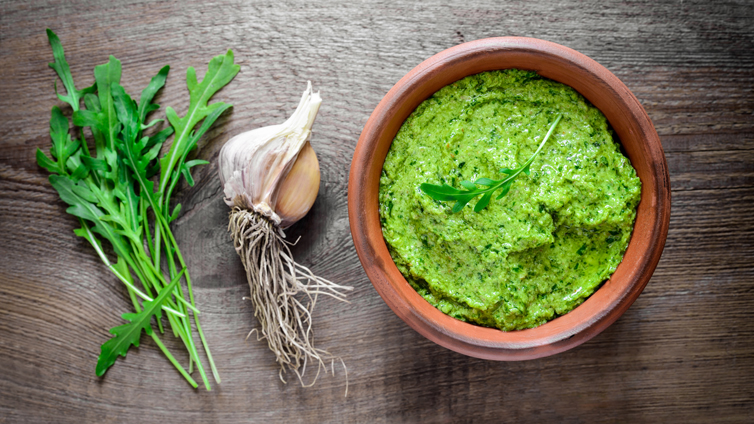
(556, 235)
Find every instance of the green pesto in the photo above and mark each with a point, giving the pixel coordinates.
(546, 246)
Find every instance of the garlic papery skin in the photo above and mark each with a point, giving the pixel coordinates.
(254, 164)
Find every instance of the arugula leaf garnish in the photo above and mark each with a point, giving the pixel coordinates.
(445, 192)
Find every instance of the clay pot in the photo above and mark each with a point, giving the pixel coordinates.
(641, 144)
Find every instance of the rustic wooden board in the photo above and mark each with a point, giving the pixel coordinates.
(684, 352)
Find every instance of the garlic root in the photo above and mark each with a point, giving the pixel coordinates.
(275, 280)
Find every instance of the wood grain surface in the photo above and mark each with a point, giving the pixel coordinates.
(684, 352)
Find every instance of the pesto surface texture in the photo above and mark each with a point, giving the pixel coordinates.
(541, 250)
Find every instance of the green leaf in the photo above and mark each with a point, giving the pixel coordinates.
(129, 334)
(89, 118)
(84, 192)
(505, 189)
(221, 71)
(152, 123)
(59, 133)
(468, 185)
(186, 169)
(153, 152)
(131, 149)
(94, 164)
(153, 170)
(62, 145)
(443, 192)
(175, 213)
(160, 137)
(195, 136)
(100, 114)
(463, 201)
(155, 84)
(92, 105)
(486, 182)
(210, 119)
(79, 172)
(105, 75)
(46, 163)
(61, 67)
(192, 163)
(127, 113)
(187, 175)
(70, 148)
(526, 169)
(483, 202)
(85, 209)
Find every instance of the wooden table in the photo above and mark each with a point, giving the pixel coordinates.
(684, 352)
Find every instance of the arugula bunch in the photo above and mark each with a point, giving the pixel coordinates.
(112, 193)
(445, 192)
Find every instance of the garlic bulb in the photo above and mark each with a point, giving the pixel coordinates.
(254, 165)
(271, 178)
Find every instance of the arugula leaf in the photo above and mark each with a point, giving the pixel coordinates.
(155, 84)
(220, 72)
(61, 67)
(62, 145)
(463, 197)
(135, 152)
(100, 113)
(443, 192)
(81, 200)
(45, 162)
(485, 182)
(129, 334)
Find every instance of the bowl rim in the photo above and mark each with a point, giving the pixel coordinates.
(601, 88)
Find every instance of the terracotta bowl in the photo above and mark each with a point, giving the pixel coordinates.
(637, 135)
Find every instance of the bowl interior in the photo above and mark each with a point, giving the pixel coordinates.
(637, 136)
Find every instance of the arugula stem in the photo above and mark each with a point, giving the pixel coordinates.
(127, 275)
(191, 297)
(531, 159)
(206, 349)
(179, 330)
(173, 361)
(142, 277)
(140, 272)
(157, 243)
(195, 354)
(147, 235)
(177, 251)
(179, 295)
(169, 255)
(120, 276)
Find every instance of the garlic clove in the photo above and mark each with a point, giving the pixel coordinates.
(299, 190)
